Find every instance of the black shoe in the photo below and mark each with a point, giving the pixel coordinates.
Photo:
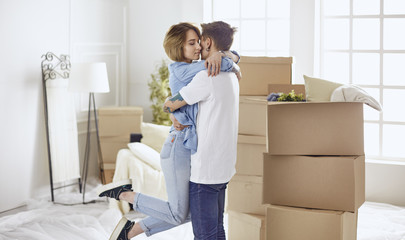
(114, 189)
(122, 229)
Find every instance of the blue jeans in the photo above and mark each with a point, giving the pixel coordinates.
(207, 203)
(162, 215)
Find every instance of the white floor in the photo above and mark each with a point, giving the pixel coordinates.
(42, 220)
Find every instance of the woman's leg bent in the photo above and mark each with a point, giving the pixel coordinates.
(175, 162)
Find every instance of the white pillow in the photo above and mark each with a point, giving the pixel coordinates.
(353, 93)
(319, 90)
(154, 135)
(146, 154)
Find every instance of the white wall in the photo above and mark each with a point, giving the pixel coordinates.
(28, 30)
(98, 33)
(385, 182)
(91, 30)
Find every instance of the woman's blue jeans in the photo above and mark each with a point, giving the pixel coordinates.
(162, 215)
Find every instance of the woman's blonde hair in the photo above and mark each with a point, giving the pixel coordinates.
(175, 39)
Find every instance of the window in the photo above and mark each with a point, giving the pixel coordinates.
(363, 43)
(263, 25)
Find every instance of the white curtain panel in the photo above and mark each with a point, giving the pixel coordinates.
(62, 131)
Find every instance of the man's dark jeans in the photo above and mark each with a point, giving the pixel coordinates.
(207, 203)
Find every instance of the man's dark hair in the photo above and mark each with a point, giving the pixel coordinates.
(220, 32)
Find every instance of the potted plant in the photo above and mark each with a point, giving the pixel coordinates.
(159, 91)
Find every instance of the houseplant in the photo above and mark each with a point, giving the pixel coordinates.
(159, 91)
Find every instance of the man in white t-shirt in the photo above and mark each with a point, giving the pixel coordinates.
(213, 165)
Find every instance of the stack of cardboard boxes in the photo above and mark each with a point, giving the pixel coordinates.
(300, 167)
(115, 126)
(246, 213)
(314, 176)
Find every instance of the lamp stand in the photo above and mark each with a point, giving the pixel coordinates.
(87, 149)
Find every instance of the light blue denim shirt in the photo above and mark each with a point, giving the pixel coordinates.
(181, 74)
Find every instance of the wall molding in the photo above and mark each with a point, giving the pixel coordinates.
(114, 53)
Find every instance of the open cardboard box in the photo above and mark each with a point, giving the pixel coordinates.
(258, 72)
(322, 182)
(253, 109)
(288, 223)
(286, 88)
(315, 128)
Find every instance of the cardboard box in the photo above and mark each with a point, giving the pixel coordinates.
(322, 182)
(287, 223)
(253, 115)
(245, 194)
(286, 88)
(258, 72)
(119, 121)
(110, 147)
(253, 109)
(250, 155)
(243, 226)
(109, 170)
(316, 128)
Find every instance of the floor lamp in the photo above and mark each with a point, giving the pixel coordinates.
(90, 78)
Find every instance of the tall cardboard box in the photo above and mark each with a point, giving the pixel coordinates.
(258, 72)
(250, 155)
(253, 115)
(315, 128)
(244, 226)
(119, 121)
(288, 223)
(322, 182)
(109, 170)
(115, 125)
(110, 147)
(245, 194)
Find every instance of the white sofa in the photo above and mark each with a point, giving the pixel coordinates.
(140, 162)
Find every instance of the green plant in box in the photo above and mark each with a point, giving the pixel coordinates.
(159, 91)
(291, 97)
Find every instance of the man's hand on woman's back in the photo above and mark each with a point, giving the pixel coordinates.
(213, 63)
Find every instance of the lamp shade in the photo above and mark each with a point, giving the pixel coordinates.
(88, 77)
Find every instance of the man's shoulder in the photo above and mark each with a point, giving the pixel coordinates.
(203, 74)
(227, 75)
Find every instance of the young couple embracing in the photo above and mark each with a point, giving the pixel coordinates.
(199, 155)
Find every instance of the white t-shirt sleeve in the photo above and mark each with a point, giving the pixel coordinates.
(198, 89)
